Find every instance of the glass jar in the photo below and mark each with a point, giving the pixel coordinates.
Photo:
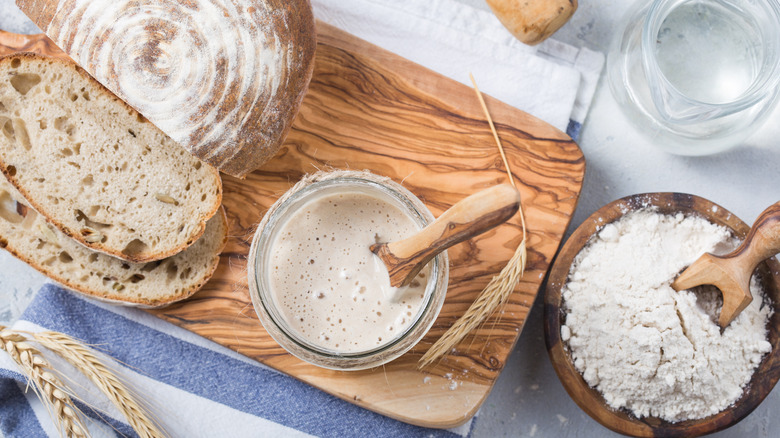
(259, 271)
(697, 76)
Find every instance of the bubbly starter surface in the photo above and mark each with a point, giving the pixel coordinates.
(328, 285)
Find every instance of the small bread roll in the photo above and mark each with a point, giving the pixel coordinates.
(532, 21)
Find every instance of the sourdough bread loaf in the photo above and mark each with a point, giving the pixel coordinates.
(224, 78)
(28, 236)
(95, 168)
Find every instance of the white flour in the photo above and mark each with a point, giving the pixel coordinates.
(645, 347)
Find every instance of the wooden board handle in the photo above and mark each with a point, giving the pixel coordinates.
(532, 21)
(471, 216)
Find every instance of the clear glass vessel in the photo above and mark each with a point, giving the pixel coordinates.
(260, 271)
(697, 76)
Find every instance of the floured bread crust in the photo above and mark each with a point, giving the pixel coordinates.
(224, 78)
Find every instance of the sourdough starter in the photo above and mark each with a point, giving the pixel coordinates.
(329, 287)
(646, 347)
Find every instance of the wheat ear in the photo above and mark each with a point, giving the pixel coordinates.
(81, 357)
(500, 287)
(49, 388)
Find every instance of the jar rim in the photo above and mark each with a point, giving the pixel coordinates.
(287, 337)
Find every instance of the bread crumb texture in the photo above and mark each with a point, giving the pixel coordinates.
(28, 236)
(96, 168)
(647, 348)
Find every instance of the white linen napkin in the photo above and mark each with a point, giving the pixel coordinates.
(552, 81)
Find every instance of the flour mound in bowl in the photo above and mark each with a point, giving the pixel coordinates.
(647, 348)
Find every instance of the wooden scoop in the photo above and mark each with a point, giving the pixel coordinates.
(731, 273)
(471, 216)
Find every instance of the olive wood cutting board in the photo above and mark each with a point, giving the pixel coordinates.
(367, 108)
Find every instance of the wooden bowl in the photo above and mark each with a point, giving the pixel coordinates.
(589, 399)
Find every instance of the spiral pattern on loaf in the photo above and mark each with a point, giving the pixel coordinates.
(201, 70)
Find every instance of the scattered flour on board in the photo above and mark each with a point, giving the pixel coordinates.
(645, 347)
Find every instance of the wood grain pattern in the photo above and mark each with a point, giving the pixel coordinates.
(370, 109)
(14, 42)
(589, 399)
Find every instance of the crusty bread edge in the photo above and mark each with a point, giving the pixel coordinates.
(95, 246)
(247, 156)
(128, 301)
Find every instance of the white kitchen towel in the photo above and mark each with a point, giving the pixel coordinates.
(552, 81)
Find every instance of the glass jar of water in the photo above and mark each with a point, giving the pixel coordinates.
(698, 76)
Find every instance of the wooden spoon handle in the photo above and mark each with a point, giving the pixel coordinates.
(763, 240)
(471, 216)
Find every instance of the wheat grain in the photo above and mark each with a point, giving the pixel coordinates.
(88, 364)
(500, 287)
(493, 130)
(47, 386)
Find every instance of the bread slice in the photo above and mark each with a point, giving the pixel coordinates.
(28, 236)
(94, 167)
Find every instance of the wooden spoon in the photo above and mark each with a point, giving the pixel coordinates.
(471, 216)
(731, 273)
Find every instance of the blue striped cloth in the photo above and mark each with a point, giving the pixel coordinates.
(195, 387)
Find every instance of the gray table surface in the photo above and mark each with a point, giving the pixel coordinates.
(528, 399)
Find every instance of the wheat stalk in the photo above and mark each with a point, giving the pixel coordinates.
(88, 364)
(47, 386)
(500, 287)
